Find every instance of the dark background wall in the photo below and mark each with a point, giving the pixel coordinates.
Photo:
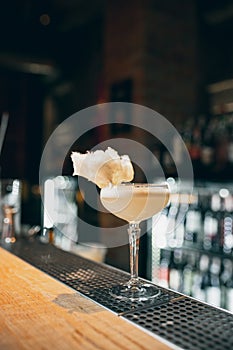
(48, 70)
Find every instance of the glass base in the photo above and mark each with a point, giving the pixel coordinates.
(135, 291)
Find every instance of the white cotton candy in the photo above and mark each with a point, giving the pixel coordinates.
(103, 167)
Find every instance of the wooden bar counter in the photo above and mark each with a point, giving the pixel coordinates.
(39, 312)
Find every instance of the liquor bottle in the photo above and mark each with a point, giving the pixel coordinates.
(213, 290)
(226, 225)
(179, 233)
(195, 147)
(221, 224)
(216, 206)
(180, 224)
(186, 132)
(210, 224)
(229, 290)
(199, 272)
(227, 285)
(188, 273)
(163, 274)
(175, 270)
(193, 223)
(207, 150)
(201, 282)
(171, 225)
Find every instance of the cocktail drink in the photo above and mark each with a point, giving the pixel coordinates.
(132, 202)
(135, 202)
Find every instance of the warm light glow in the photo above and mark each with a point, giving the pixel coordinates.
(45, 19)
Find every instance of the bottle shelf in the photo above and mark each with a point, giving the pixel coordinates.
(192, 245)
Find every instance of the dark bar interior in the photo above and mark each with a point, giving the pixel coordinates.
(59, 58)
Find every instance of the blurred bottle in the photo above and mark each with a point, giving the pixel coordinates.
(186, 132)
(226, 225)
(199, 276)
(171, 226)
(175, 270)
(213, 290)
(195, 146)
(227, 284)
(179, 233)
(204, 278)
(207, 149)
(188, 273)
(229, 288)
(210, 224)
(193, 223)
(163, 274)
(180, 224)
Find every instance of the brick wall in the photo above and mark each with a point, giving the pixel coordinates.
(124, 45)
(155, 44)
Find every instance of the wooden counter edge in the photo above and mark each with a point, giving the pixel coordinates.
(39, 312)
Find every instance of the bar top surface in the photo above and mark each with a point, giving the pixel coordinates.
(39, 312)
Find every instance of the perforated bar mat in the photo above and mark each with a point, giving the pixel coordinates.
(179, 320)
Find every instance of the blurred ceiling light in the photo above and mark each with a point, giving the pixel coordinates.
(38, 68)
(28, 65)
(220, 86)
(45, 19)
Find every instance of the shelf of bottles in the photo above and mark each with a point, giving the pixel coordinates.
(192, 245)
(209, 141)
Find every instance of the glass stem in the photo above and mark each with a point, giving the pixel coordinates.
(134, 236)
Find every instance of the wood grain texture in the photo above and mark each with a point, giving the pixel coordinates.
(38, 312)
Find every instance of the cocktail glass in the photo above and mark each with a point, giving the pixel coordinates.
(135, 202)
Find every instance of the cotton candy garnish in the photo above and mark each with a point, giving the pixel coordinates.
(104, 168)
